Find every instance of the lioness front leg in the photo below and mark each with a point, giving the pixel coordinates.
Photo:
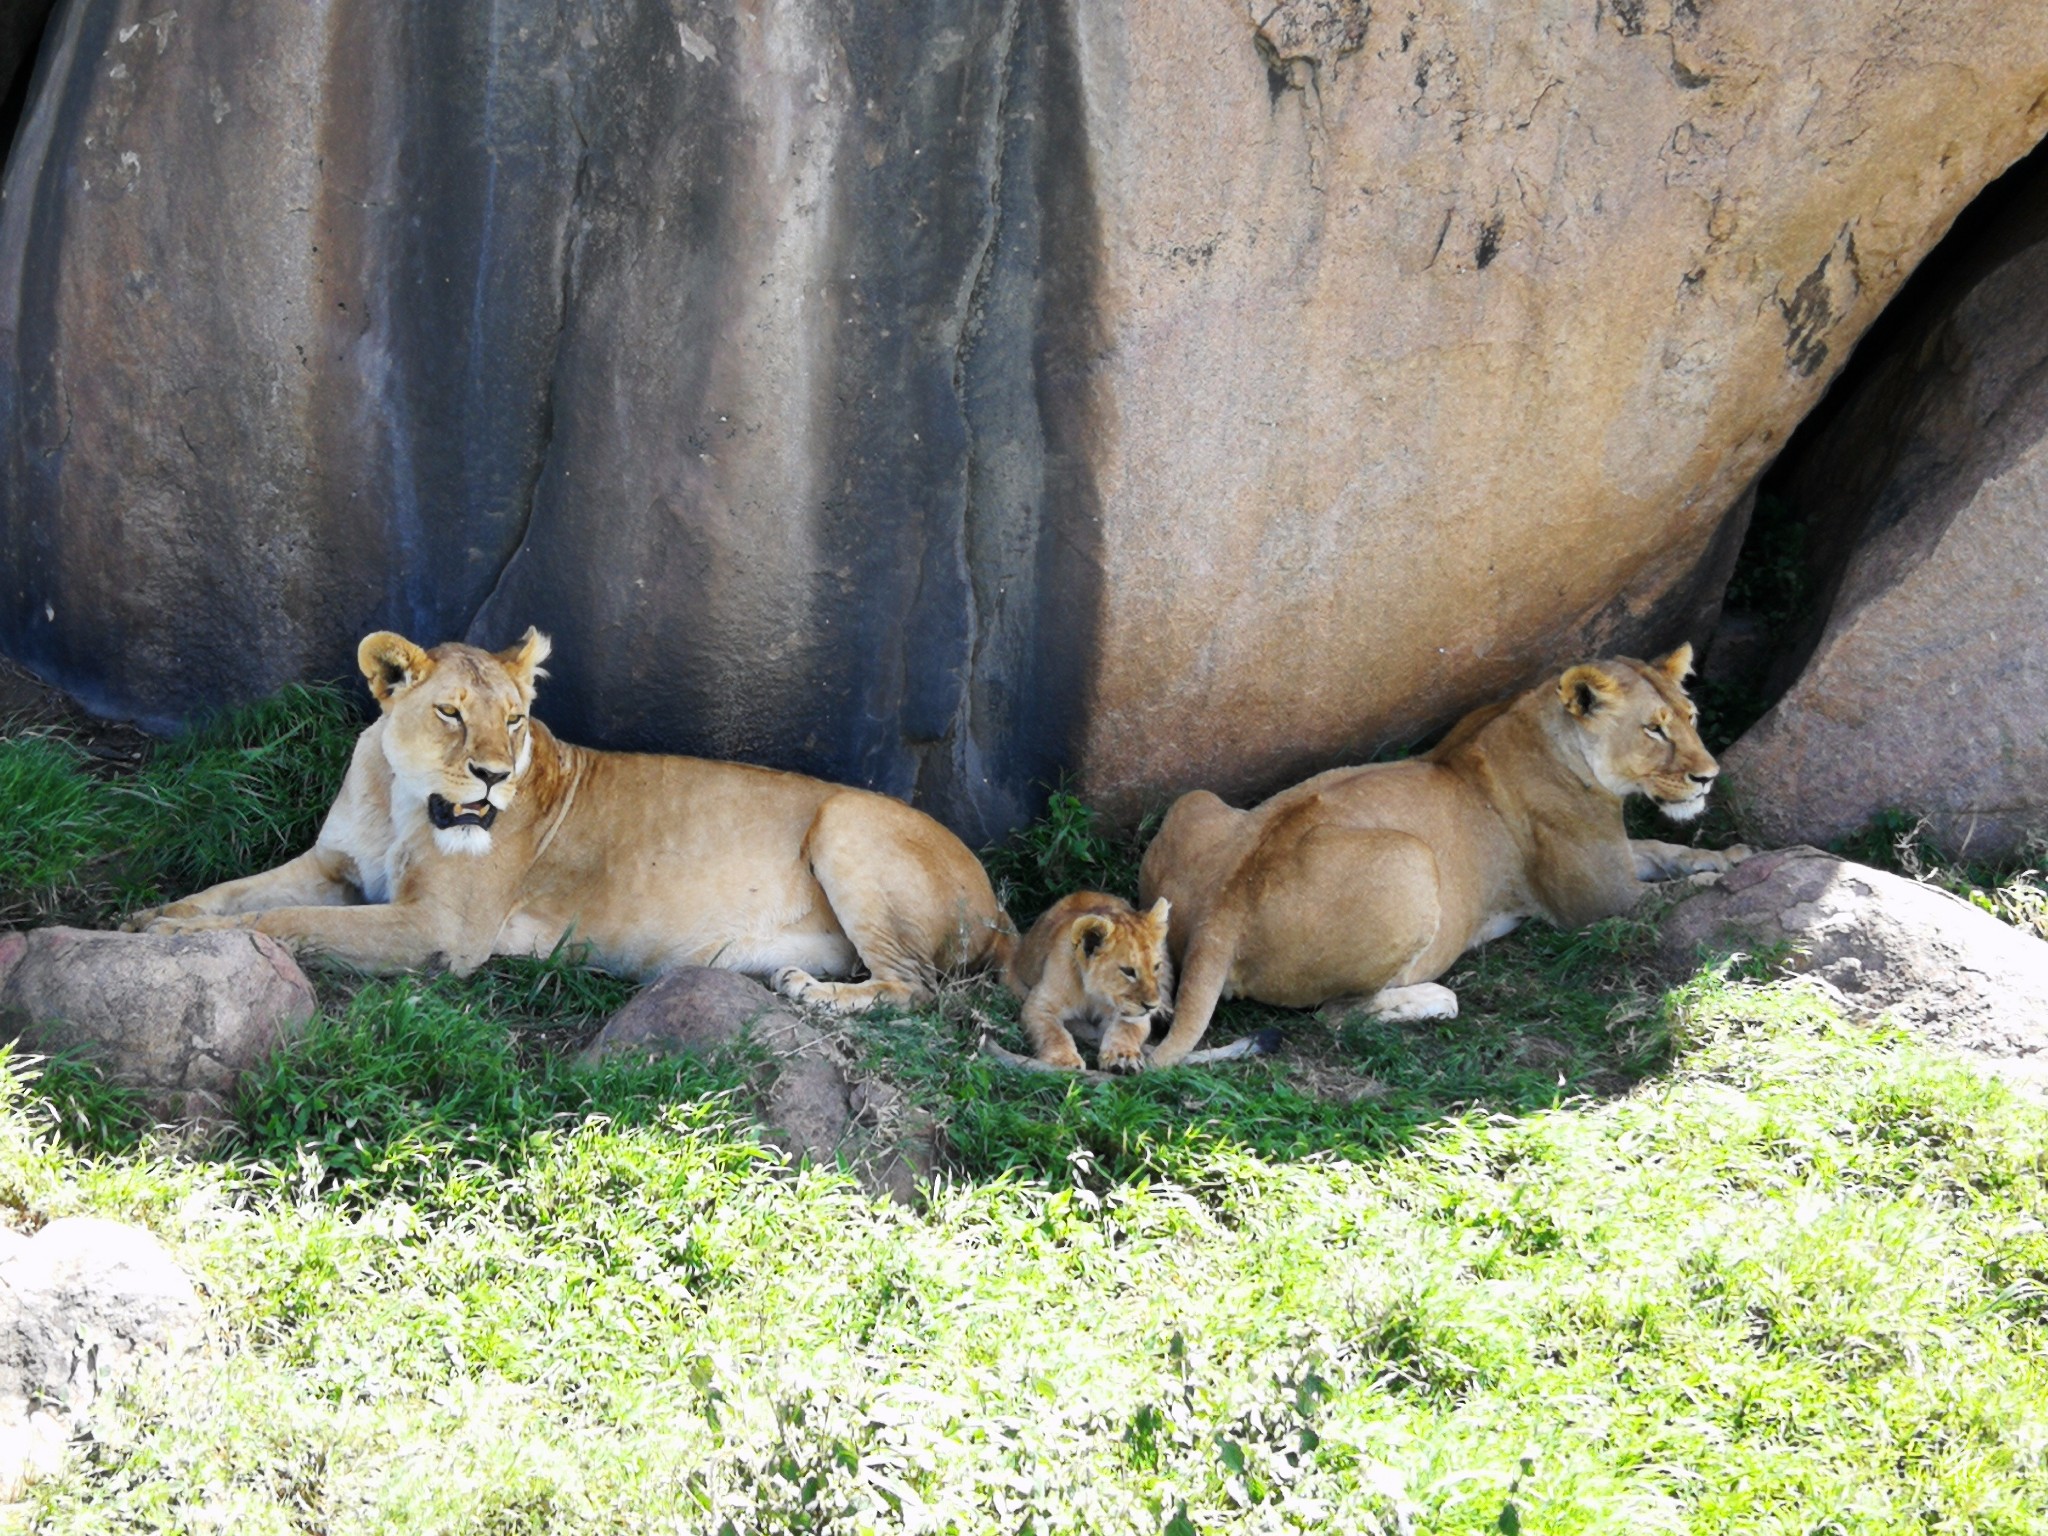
(313, 879)
(394, 937)
(1672, 861)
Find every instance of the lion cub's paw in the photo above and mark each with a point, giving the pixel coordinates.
(1122, 1051)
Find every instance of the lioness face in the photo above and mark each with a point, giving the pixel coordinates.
(1640, 732)
(456, 733)
(1123, 964)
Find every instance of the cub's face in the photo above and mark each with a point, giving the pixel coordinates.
(1122, 961)
(1640, 732)
(456, 732)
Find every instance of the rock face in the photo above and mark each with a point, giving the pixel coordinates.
(1934, 962)
(1928, 689)
(79, 1302)
(811, 1102)
(936, 397)
(179, 1017)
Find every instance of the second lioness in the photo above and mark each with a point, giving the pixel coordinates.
(1093, 960)
(465, 829)
(1369, 882)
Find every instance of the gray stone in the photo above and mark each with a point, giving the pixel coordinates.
(940, 397)
(79, 1303)
(1927, 690)
(812, 1102)
(1884, 944)
(179, 1017)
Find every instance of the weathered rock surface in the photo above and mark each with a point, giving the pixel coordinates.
(813, 1104)
(1928, 689)
(178, 1016)
(1887, 945)
(939, 396)
(79, 1302)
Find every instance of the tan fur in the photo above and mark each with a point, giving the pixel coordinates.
(1369, 882)
(640, 862)
(1093, 959)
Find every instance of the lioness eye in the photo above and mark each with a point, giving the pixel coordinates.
(448, 714)
(1656, 732)
(515, 722)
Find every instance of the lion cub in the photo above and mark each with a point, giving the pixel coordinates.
(1092, 958)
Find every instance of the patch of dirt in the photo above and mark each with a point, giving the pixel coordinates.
(28, 704)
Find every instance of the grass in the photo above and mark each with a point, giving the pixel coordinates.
(1599, 1256)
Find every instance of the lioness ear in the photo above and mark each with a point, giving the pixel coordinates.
(392, 663)
(1587, 689)
(1090, 933)
(1678, 665)
(523, 660)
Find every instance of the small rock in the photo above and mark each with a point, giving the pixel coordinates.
(79, 1302)
(178, 1016)
(805, 1094)
(1884, 944)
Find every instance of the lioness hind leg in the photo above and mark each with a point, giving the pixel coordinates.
(849, 996)
(1399, 1005)
(912, 900)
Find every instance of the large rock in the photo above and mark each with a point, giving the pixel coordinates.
(1932, 961)
(1928, 689)
(941, 396)
(811, 1099)
(177, 1016)
(80, 1302)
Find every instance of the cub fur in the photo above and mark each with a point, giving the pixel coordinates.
(1093, 959)
(465, 829)
(1368, 882)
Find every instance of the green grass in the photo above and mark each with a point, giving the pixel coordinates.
(1598, 1256)
(240, 794)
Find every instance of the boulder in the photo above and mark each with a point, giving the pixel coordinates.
(808, 1095)
(1927, 689)
(1884, 944)
(178, 1016)
(80, 1302)
(939, 398)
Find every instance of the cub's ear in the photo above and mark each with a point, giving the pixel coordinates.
(523, 659)
(1161, 913)
(1091, 932)
(1678, 665)
(393, 664)
(1588, 689)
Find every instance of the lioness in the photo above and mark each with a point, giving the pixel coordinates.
(1368, 882)
(464, 829)
(1092, 960)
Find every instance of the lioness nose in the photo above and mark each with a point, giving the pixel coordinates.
(490, 776)
(1704, 778)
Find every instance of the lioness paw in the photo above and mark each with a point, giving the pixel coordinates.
(1738, 853)
(792, 981)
